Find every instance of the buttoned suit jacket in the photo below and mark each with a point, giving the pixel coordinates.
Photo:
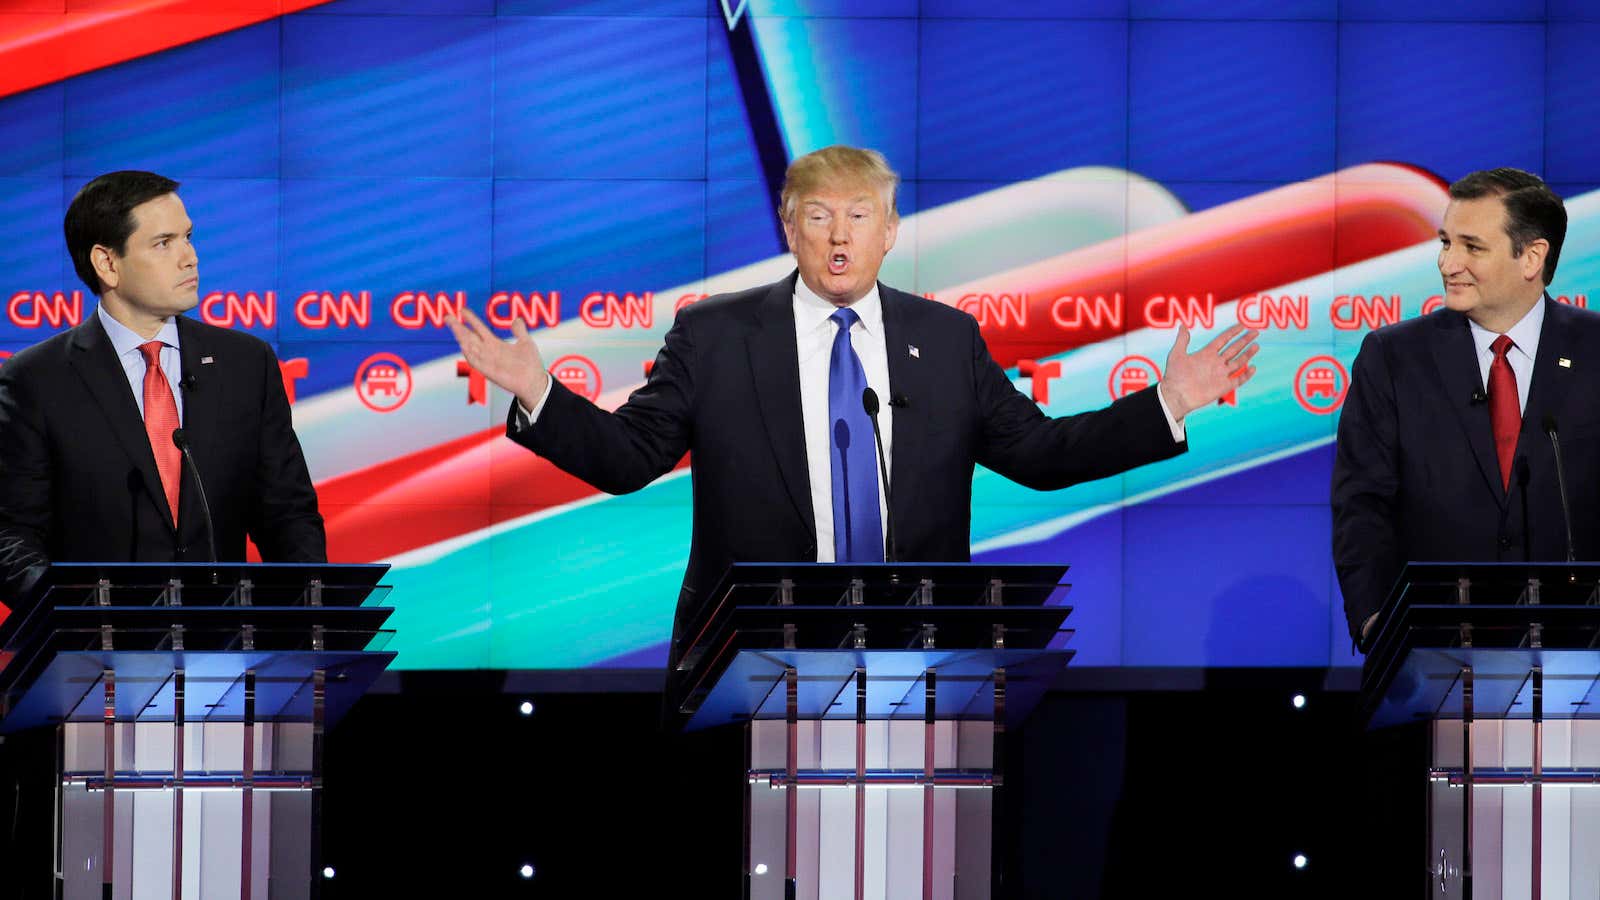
(78, 479)
(1416, 476)
(725, 387)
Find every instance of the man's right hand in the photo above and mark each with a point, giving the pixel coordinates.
(516, 366)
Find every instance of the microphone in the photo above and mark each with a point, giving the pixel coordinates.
(181, 441)
(1561, 481)
(188, 382)
(869, 402)
(1478, 396)
(841, 439)
(898, 401)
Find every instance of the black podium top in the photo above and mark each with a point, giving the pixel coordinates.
(280, 621)
(1501, 619)
(926, 610)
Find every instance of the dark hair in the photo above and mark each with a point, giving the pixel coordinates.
(102, 214)
(1533, 211)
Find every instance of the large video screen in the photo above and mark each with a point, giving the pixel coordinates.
(1080, 177)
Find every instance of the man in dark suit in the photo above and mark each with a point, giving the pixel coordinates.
(764, 389)
(1442, 452)
(88, 467)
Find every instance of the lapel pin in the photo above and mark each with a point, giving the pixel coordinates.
(915, 353)
(205, 360)
(1564, 363)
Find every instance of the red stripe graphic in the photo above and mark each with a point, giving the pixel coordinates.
(42, 43)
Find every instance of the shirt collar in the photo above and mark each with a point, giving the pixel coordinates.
(125, 340)
(1524, 334)
(811, 311)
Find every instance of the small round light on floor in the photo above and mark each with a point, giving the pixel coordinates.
(1298, 701)
(327, 872)
(1300, 860)
(526, 708)
(761, 868)
(526, 871)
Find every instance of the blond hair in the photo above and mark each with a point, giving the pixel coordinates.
(838, 166)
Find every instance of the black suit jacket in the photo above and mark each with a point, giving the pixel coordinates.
(726, 388)
(78, 479)
(1415, 475)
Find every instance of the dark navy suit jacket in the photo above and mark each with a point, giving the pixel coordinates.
(726, 389)
(78, 480)
(1415, 474)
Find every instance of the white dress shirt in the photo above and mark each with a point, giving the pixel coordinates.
(1525, 338)
(126, 342)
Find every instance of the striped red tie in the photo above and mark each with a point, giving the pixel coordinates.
(160, 420)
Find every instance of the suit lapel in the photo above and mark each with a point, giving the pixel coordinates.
(775, 371)
(95, 361)
(200, 406)
(1456, 359)
(906, 381)
(1551, 380)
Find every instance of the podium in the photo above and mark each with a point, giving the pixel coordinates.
(875, 701)
(189, 704)
(1502, 660)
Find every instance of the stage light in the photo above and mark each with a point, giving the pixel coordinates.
(1299, 701)
(327, 872)
(1300, 860)
(526, 871)
(526, 708)
(761, 868)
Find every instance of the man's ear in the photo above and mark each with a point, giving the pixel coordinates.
(788, 232)
(106, 264)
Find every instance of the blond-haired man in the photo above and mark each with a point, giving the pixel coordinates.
(764, 388)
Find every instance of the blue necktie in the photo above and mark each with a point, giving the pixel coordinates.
(852, 453)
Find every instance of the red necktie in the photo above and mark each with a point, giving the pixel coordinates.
(1505, 413)
(161, 419)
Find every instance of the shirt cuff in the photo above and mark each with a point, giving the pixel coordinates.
(525, 418)
(1179, 433)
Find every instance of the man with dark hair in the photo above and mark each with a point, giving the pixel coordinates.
(1441, 450)
(88, 467)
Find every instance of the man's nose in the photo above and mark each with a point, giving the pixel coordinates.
(1449, 261)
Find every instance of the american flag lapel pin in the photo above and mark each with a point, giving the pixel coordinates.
(206, 360)
(912, 349)
(1564, 363)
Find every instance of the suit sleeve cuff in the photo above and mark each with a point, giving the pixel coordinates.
(1179, 432)
(526, 417)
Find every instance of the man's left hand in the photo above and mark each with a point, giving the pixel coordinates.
(1203, 377)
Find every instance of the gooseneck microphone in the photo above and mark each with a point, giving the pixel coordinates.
(181, 441)
(869, 402)
(841, 439)
(1561, 481)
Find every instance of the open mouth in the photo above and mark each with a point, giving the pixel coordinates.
(838, 262)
